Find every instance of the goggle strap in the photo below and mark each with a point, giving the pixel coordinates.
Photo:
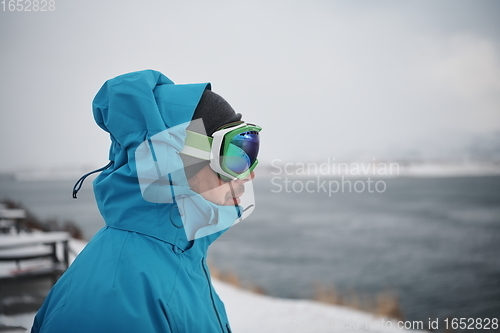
(197, 145)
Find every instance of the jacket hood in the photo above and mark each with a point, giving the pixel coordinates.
(146, 115)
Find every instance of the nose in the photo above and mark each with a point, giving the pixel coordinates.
(250, 176)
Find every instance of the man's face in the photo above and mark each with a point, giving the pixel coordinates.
(212, 188)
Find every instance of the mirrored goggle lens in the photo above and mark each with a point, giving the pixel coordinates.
(242, 152)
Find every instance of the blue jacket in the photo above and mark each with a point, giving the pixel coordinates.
(140, 273)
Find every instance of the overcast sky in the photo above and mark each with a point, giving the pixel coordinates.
(339, 79)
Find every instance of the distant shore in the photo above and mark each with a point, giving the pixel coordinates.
(326, 168)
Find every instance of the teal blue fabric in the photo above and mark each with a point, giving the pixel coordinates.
(140, 273)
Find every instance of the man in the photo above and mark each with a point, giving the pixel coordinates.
(181, 160)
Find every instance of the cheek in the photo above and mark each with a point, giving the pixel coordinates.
(218, 195)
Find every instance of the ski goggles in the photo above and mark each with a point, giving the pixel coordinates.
(232, 150)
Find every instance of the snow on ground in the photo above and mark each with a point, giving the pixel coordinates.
(19, 323)
(249, 313)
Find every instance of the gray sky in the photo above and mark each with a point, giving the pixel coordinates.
(338, 79)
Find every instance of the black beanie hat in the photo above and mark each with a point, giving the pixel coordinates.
(215, 112)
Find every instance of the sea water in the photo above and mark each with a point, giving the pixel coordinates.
(435, 242)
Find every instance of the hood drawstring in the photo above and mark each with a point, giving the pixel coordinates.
(80, 181)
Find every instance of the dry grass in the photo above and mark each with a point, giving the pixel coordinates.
(233, 279)
(384, 303)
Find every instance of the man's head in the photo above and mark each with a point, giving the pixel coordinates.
(146, 115)
(217, 187)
